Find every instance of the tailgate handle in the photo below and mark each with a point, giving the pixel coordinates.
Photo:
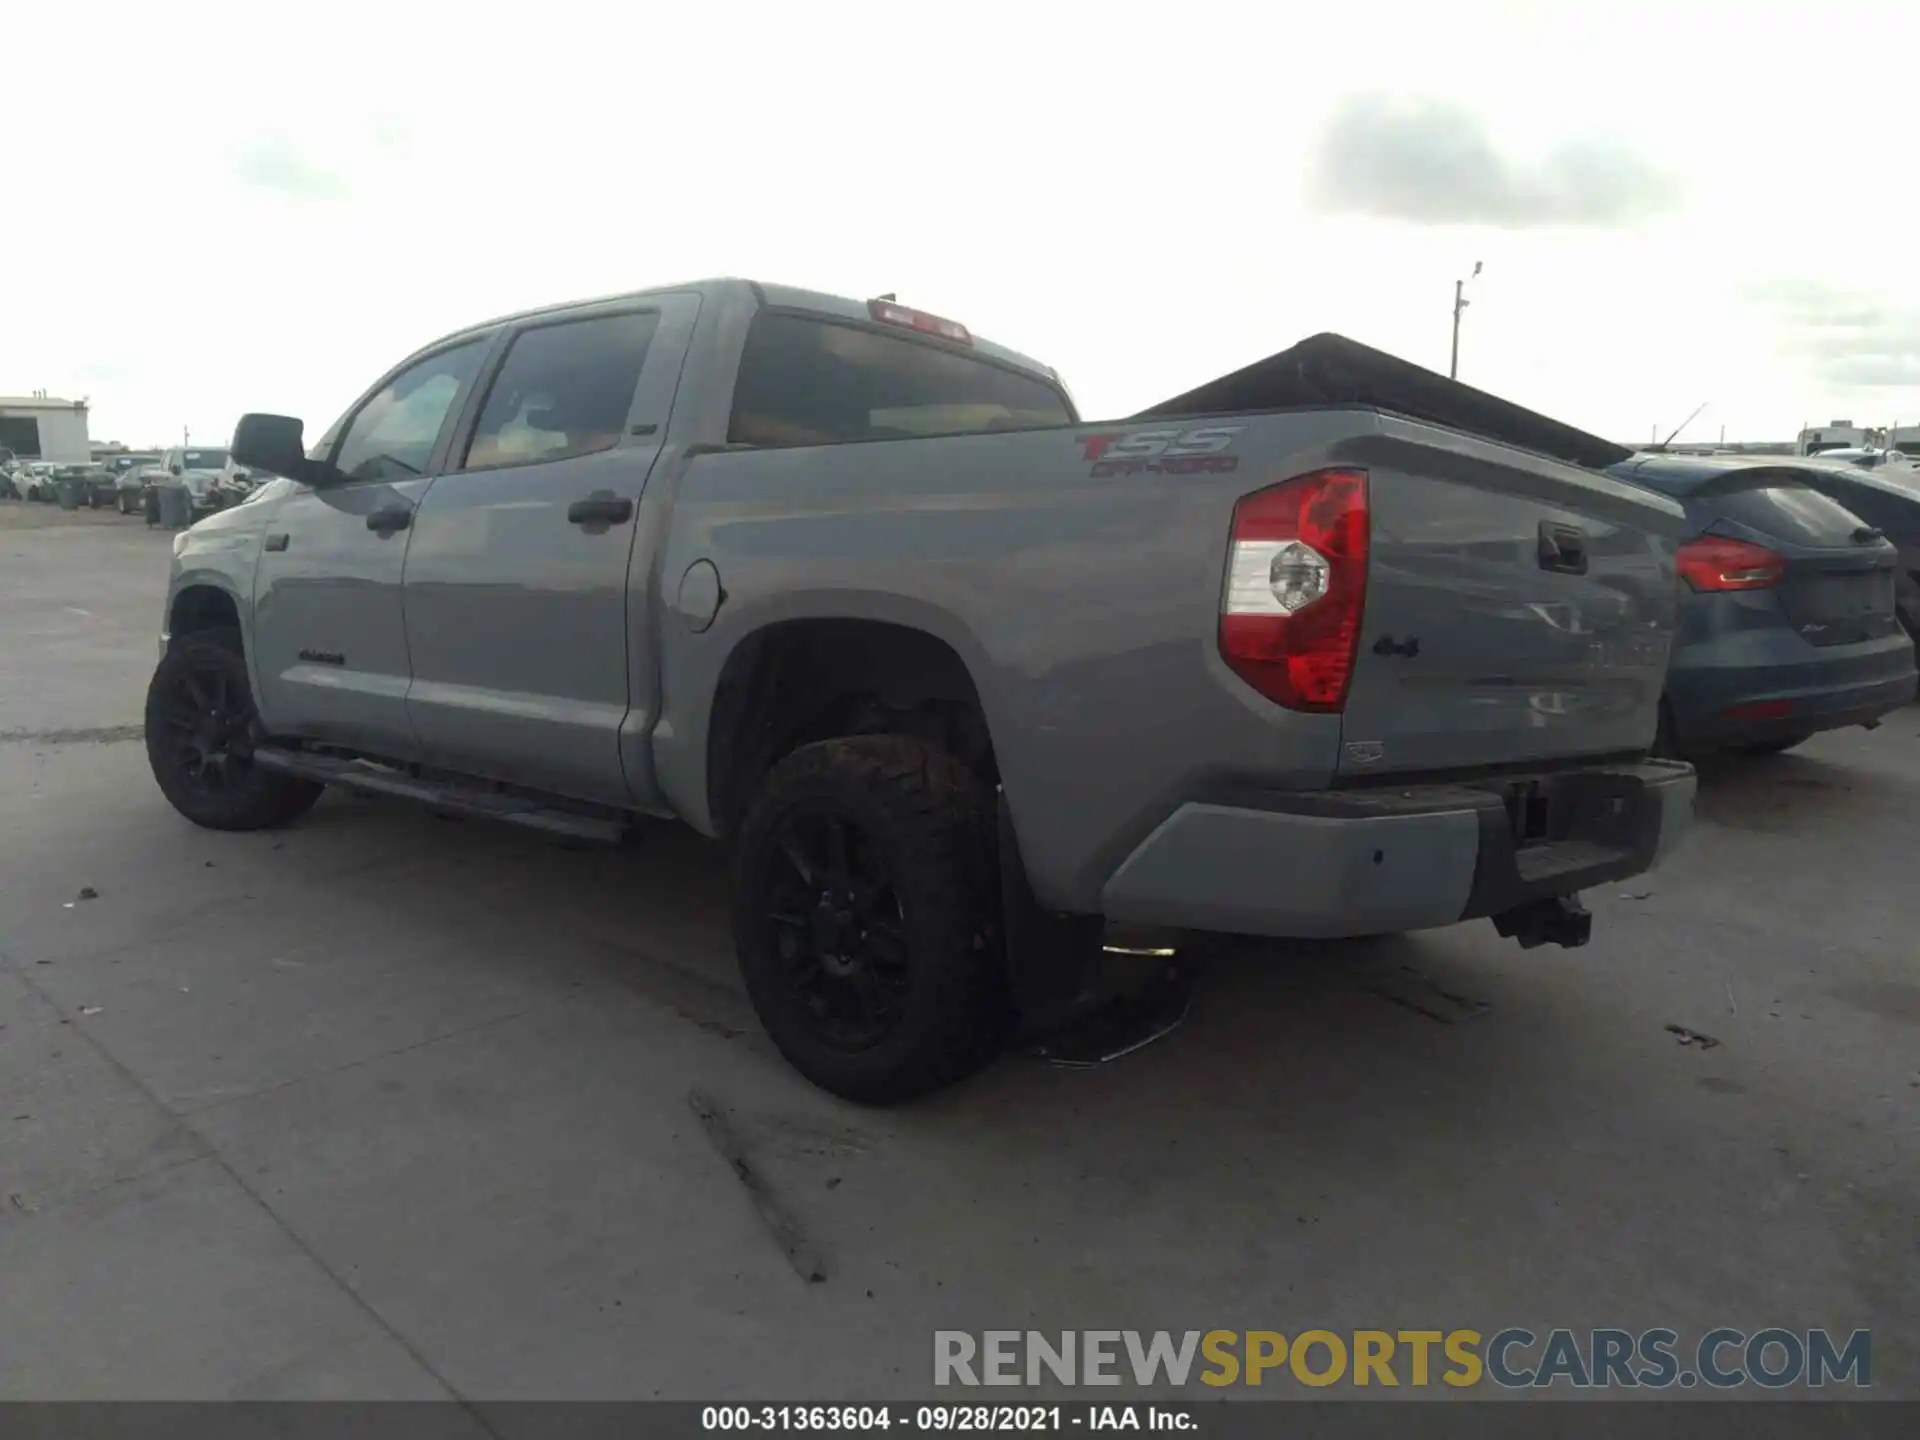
(1563, 548)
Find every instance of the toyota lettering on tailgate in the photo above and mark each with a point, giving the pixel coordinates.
(1162, 452)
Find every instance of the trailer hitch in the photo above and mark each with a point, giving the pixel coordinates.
(1556, 920)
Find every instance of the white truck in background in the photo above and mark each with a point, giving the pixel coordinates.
(1840, 435)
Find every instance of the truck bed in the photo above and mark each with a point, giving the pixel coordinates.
(1079, 576)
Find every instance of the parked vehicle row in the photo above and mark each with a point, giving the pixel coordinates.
(33, 479)
(209, 476)
(42, 480)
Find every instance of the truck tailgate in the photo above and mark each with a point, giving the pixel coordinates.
(1519, 605)
(1518, 608)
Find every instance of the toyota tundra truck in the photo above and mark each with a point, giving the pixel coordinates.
(1331, 646)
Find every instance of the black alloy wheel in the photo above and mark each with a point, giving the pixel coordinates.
(838, 925)
(866, 916)
(201, 731)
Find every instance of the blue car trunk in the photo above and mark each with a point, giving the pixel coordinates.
(1788, 618)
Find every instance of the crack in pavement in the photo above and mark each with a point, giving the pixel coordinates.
(780, 1219)
(94, 735)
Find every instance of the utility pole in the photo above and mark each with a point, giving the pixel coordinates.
(1460, 303)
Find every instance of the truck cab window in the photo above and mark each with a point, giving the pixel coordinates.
(564, 390)
(808, 381)
(392, 436)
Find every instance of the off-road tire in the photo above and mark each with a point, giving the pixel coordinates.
(933, 821)
(256, 799)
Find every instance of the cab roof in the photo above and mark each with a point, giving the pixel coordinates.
(769, 296)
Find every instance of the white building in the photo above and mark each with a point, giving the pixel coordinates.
(1840, 435)
(38, 427)
(1905, 439)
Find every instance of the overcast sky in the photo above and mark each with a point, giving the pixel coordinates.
(215, 208)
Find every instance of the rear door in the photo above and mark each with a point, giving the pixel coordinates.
(1518, 608)
(1838, 588)
(518, 620)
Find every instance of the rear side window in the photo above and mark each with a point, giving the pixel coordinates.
(563, 391)
(806, 381)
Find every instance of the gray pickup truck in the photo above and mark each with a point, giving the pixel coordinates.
(1331, 646)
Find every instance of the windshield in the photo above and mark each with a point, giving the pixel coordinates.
(202, 459)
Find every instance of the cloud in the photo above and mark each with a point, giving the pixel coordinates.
(278, 165)
(1432, 162)
(1853, 339)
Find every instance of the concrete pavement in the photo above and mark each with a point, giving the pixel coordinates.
(386, 1106)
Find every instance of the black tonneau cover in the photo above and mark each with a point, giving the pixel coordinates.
(1330, 369)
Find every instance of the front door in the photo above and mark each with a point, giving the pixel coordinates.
(329, 641)
(518, 617)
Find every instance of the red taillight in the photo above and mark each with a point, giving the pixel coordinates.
(1296, 586)
(888, 312)
(1759, 710)
(1715, 563)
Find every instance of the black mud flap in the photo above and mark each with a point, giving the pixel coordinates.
(1053, 961)
(1122, 1023)
(1068, 1010)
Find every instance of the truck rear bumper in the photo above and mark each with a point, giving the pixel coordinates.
(1378, 860)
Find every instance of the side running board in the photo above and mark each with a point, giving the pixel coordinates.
(446, 797)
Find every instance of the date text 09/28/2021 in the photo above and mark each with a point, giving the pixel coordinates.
(940, 1419)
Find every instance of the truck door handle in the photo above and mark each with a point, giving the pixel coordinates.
(1563, 549)
(389, 518)
(600, 510)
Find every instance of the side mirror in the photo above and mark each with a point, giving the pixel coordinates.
(175, 470)
(275, 444)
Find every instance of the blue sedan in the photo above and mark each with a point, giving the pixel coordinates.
(1787, 624)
